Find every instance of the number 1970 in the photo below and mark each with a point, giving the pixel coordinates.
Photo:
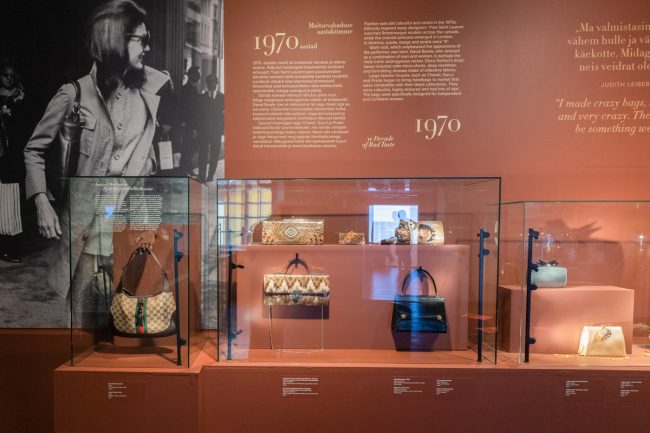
(273, 44)
(433, 128)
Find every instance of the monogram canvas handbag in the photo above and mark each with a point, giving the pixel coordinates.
(143, 316)
(293, 231)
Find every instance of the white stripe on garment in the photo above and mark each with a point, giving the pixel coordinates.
(10, 223)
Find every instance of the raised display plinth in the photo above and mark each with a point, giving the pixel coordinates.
(558, 316)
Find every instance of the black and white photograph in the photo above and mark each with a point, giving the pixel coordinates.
(140, 86)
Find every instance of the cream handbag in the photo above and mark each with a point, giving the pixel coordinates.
(602, 341)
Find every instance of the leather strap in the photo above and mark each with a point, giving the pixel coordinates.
(139, 251)
(77, 99)
(422, 273)
(75, 116)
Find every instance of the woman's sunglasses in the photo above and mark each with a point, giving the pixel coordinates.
(143, 39)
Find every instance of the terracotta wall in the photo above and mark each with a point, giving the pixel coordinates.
(27, 365)
(521, 65)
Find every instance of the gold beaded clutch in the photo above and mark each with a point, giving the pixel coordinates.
(352, 238)
(293, 232)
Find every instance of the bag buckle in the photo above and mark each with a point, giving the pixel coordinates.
(296, 295)
(605, 333)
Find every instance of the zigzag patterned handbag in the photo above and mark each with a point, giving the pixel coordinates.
(305, 290)
(296, 289)
(143, 316)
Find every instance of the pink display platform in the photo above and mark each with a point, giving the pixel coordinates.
(364, 280)
(558, 316)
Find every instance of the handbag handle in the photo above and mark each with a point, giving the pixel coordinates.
(422, 273)
(139, 251)
(297, 261)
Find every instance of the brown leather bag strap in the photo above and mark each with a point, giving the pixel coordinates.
(139, 251)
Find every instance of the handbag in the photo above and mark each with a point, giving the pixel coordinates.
(296, 289)
(293, 231)
(291, 289)
(549, 275)
(63, 158)
(352, 238)
(419, 313)
(602, 341)
(143, 316)
(431, 233)
(405, 233)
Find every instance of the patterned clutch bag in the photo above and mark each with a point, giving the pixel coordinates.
(404, 233)
(352, 238)
(431, 233)
(423, 232)
(293, 232)
(296, 289)
(549, 275)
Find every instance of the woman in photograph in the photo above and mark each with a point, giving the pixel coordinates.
(12, 141)
(119, 104)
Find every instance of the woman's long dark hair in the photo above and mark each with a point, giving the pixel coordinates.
(107, 29)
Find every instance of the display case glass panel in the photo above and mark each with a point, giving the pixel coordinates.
(312, 270)
(137, 271)
(592, 302)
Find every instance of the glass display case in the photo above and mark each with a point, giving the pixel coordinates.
(358, 270)
(137, 273)
(574, 283)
